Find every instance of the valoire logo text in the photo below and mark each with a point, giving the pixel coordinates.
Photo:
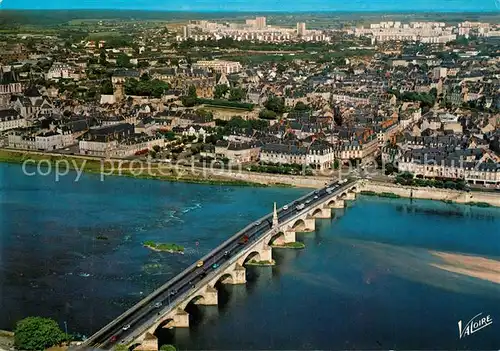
(475, 324)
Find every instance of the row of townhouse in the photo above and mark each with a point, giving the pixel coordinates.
(350, 150)
(43, 141)
(11, 119)
(319, 154)
(471, 172)
(117, 140)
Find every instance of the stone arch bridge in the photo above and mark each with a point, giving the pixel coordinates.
(282, 231)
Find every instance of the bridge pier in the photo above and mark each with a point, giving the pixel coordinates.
(181, 319)
(338, 204)
(149, 343)
(310, 224)
(350, 196)
(289, 236)
(239, 276)
(266, 254)
(210, 297)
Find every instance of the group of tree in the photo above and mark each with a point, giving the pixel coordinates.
(145, 87)
(426, 99)
(191, 98)
(407, 178)
(290, 169)
(237, 123)
(275, 104)
(232, 94)
(267, 114)
(37, 333)
(220, 91)
(300, 106)
(106, 87)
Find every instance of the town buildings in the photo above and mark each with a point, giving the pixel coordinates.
(219, 66)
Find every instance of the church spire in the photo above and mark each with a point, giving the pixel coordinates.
(275, 217)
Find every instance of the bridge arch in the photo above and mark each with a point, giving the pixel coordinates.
(226, 278)
(332, 202)
(277, 239)
(167, 323)
(316, 212)
(198, 299)
(252, 256)
(354, 189)
(299, 224)
(343, 195)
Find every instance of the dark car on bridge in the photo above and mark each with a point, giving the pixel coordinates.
(243, 240)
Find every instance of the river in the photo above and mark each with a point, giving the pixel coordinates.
(368, 278)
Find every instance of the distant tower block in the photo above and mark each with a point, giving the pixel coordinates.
(301, 29)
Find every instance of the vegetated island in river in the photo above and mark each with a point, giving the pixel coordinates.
(172, 248)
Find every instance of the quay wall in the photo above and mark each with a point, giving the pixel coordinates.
(461, 197)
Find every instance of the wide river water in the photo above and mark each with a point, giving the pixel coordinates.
(367, 279)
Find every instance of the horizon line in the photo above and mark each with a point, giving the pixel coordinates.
(496, 12)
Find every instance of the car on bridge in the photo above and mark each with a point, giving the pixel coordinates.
(285, 207)
(300, 207)
(215, 266)
(126, 327)
(199, 264)
(243, 240)
(157, 305)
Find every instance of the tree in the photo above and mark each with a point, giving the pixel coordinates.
(102, 57)
(275, 104)
(220, 91)
(123, 60)
(267, 114)
(168, 347)
(106, 87)
(336, 164)
(204, 113)
(156, 148)
(37, 333)
(237, 94)
(145, 87)
(192, 91)
(300, 106)
(191, 98)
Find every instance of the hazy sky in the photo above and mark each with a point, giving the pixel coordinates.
(260, 5)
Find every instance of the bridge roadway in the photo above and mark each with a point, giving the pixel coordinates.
(174, 291)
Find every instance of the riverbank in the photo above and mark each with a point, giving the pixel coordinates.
(159, 171)
(6, 340)
(116, 167)
(472, 198)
